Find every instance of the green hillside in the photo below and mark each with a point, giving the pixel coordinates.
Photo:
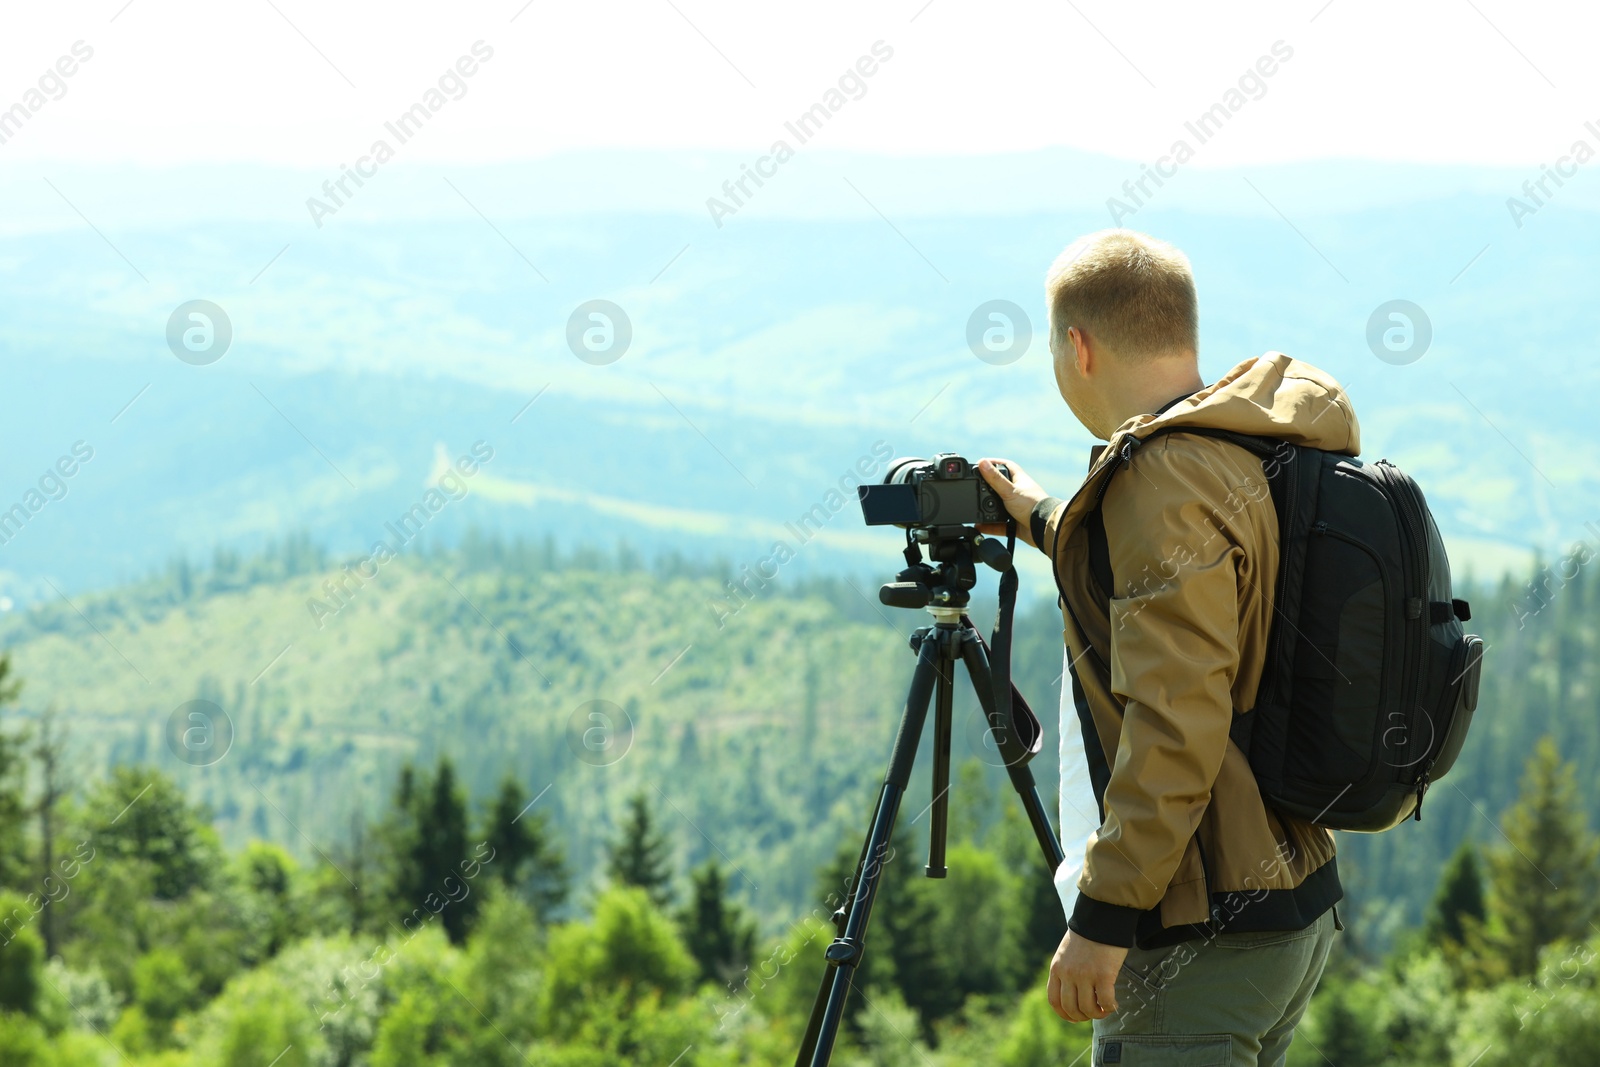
(268, 902)
(768, 732)
(762, 724)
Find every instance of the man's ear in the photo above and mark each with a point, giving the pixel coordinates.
(1083, 354)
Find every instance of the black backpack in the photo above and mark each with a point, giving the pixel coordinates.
(1370, 682)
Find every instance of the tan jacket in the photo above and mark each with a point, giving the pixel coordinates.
(1186, 846)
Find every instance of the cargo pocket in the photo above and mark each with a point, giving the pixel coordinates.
(1141, 983)
(1164, 1050)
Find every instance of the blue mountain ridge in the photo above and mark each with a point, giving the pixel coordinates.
(767, 354)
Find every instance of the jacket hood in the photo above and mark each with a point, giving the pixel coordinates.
(1272, 395)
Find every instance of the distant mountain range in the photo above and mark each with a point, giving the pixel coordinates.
(766, 357)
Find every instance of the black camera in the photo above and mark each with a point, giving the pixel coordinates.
(943, 491)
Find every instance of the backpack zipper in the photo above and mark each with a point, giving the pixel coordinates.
(1284, 506)
(1410, 511)
(1422, 788)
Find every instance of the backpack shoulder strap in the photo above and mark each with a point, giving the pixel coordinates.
(1292, 476)
(1256, 443)
(1253, 443)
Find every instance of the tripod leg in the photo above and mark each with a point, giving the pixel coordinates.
(844, 954)
(943, 715)
(977, 662)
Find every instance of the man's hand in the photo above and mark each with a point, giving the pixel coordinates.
(1083, 978)
(1019, 495)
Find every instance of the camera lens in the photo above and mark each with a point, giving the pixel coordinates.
(900, 470)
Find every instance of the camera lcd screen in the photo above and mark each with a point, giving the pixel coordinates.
(949, 503)
(885, 505)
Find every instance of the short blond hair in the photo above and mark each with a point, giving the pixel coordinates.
(1128, 291)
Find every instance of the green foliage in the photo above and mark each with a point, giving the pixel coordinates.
(81, 999)
(888, 1034)
(975, 932)
(269, 1028)
(410, 670)
(116, 919)
(641, 855)
(349, 883)
(939, 943)
(719, 935)
(135, 1034)
(630, 955)
(1342, 1026)
(21, 955)
(1040, 921)
(111, 919)
(413, 1033)
(316, 995)
(185, 957)
(164, 987)
(1037, 1036)
(23, 1042)
(1458, 903)
(501, 972)
(908, 908)
(1555, 1020)
(621, 986)
(140, 816)
(431, 854)
(13, 806)
(10, 684)
(79, 1049)
(1545, 879)
(526, 856)
(878, 968)
(772, 1001)
(269, 874)
(618, 1028)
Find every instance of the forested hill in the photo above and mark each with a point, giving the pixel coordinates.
(759, 727)
(767, 731)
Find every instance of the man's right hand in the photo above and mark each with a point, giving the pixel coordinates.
(1020, 495)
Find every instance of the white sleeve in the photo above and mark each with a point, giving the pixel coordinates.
(1078, 812)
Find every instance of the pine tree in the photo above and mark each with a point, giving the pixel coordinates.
(49, 750)
(21, 962)
(876, 971)
(905, 910)
(1347, 1035)
(1459, 901)
(526, 857)
(641, 856)
(141, 816)
(442, 848)
(395, 835)
(13, 855)
(1044, 922)
(348, 872)
(1543, 882)
(719, 935)
(427, 835)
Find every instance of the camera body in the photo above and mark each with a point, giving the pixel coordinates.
(946, 490)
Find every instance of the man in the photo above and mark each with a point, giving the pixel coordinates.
(1201, 920)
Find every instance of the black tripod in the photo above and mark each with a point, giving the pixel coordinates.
(944, 591)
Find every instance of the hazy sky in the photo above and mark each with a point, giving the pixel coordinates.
(289, 81)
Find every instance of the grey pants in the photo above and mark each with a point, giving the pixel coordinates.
(1231, 1001)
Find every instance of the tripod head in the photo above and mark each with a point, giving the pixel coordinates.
(946, 581)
